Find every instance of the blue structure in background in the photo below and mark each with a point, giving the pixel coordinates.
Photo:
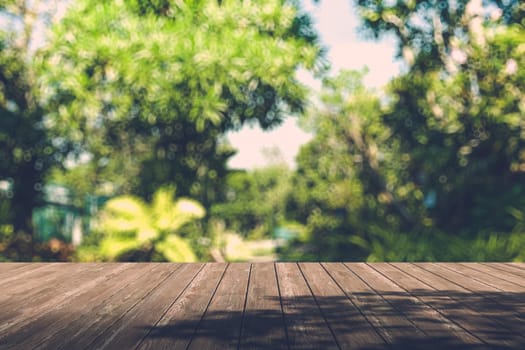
(61, 218)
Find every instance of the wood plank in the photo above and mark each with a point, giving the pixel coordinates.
(483, 278)
(22, 314)
(495, 275)
(492, 299)
(129, 330)
(10, 267)
(304, 322)
(394, 328)
(178, 325)
(351, 328)
(12, 286)
(42, 326)
(395, 288)
(431, 326)
(459, 305)
(263, 326)
(29, 296)
(51, 280)
(520, 265)
(106, 302)
(24, 274)
(262, 306)
(221, 325)
(508, 268)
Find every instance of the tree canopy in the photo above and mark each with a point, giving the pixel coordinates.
(133, 98)
(165, 80)
(457, 111)
(434, 171)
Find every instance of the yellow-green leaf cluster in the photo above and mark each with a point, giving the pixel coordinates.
(128, 224)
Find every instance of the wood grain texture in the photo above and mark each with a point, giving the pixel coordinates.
(462, 306)
(520, 266)
(362, 306)
(39, 326)
(144, 312)
(108, 302)
(393, 287)
(221, 325)
(508, 268)
(349, 325)
(177, 326)
(263, 326)
(29, 317)
(498, 299)
(24, 273)
(9, 268)
(305, 323)
(393, 325)
(50, 283)
(493, 274)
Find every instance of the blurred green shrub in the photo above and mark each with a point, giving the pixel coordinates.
(384, 245)
(438, 246)
(255, 201)
(131, 230)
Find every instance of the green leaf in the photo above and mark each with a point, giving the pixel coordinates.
(175, 249)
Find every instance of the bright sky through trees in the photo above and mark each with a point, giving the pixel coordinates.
(337, 24)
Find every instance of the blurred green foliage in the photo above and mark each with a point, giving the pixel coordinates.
(147, 89)
(255, 201)
(130, 230)
(433, 170)
(26, 150)
(131, 99)
(128, 96)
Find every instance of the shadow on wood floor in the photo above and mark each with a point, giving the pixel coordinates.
(393, 321)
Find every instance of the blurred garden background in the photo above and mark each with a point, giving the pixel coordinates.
(116, 121)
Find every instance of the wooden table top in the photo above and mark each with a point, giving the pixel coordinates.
(262, 306)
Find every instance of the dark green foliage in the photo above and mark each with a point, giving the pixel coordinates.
(436, 173)
(254, 203)
(131, 96)
(152, 85)
(26, 151)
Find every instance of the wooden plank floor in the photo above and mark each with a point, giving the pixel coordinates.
(262, 306)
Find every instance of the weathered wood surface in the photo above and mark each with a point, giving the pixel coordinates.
(262, 306)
